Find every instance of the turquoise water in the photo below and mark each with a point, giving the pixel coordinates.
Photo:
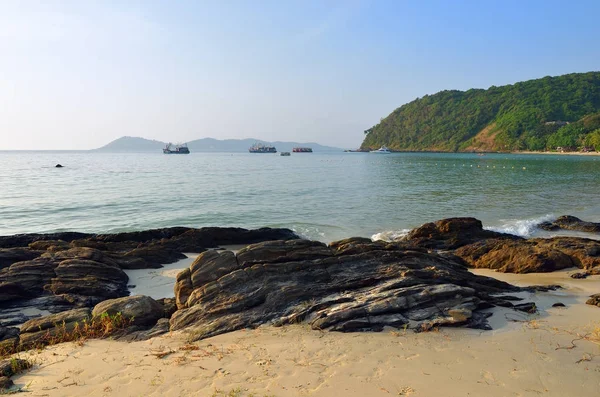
(321, 196)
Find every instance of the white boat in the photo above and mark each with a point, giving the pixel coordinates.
(382, 150)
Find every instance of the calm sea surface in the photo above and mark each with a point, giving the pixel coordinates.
(321, 196)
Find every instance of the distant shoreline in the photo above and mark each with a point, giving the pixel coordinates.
(497, 152)
(560, 153)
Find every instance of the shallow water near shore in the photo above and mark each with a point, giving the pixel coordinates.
(323, 196)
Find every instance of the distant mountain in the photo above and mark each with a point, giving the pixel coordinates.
(540, 114)
(133, 144)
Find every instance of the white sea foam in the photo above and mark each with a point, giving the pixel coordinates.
(311, 232)
(390, 235)
(521, 227)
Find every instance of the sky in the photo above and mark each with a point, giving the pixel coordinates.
(79, 74)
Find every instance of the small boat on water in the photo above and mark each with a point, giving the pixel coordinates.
(176, 149)
(302, 150)
(260, 148)
(382, 150)
(284, 153)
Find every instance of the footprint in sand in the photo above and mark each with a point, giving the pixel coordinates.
(411, 357)
(517, 373)
(490, 379)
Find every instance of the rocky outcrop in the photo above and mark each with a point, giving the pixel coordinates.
(331, 288)
(532, 256)
(85, 269)
(141, 310)
(452, 233)
(568, 222)
(89, 278)
(464, 240)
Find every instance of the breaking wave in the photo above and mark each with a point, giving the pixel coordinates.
(521, 227)
(390, 235)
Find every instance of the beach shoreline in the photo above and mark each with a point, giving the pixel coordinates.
(554, 353)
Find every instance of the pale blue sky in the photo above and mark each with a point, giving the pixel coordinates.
(78, 74)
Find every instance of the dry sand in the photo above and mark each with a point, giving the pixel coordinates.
(551, 354)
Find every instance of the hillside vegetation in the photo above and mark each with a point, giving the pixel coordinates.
(540, 114)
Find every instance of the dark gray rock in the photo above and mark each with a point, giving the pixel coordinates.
(579, 275)
(142, 310)
(30, 276)
(169, 306)
(8, 256)
(89, 278)
(11, 291)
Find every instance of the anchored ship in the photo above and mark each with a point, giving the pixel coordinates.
(302, 150)
(260, 148)
(382, 150)
(177, 149)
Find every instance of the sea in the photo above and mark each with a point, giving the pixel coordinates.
(321, 196)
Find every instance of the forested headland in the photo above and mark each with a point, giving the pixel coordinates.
(551, 113)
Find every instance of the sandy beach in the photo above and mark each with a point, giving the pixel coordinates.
(554, 353)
